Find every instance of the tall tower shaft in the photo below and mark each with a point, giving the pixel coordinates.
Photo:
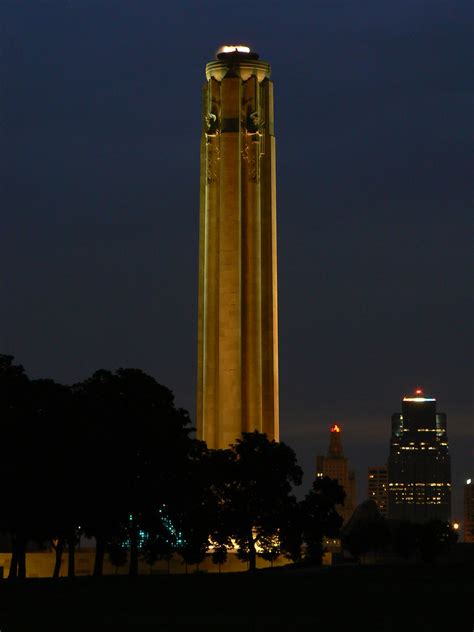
(237, 389)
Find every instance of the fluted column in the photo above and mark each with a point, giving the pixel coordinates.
(237, 326)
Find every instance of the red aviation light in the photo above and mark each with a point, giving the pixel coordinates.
(335, 428)
(419, 391)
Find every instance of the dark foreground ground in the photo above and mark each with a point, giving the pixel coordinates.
(370, 599)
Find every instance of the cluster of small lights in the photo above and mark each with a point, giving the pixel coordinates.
(175, 537)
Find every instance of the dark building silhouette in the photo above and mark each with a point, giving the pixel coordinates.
(419, 471)
(377, 487)
(469, 511)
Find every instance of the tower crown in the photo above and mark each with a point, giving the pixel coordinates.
(240, 60)
(235, 51)
(418, 396)
(335, 445)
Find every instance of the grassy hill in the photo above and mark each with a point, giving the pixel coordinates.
(372, 598)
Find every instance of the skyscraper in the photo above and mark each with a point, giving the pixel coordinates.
(336, 465)
(377, 487)
(237, 388)
(419, 472)
(468, 511)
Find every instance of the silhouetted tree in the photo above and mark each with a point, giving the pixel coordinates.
(425, 541)
(15, 415)
(319, 516)
(269, 548)
(196, 508)
(434, 538)
(366, 531)
(117, 552)
(139, 442)
(260, 494)
(158, 547)
(219, 555)
(59, 448)
(405, 539)
(291, 532)
(221, 479)
(38, 465)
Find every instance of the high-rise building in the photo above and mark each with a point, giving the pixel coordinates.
(419, 472)
(336, 465)
(468, 526)
(377, 479)
(237, 387)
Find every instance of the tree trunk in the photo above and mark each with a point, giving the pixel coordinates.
(21, 553)
(58, 550)
(18, 561)
(12, 573)
(133, 569)
(99, 556)
(252, 560)
(71, 567)
(252, 554)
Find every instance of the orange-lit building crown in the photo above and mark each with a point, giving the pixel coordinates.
(335, 445)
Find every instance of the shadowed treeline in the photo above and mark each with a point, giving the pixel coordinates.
(114, 459)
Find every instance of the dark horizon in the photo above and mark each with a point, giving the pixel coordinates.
(99, 243)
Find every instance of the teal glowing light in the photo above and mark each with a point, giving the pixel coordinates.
(173, 537)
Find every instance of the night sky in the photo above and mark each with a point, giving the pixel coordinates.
(100, 109)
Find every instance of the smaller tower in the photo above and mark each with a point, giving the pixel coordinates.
(336, 465)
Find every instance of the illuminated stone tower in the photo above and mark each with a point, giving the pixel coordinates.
(237, 389)
(336, 465)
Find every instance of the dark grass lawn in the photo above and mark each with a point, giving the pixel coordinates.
(367, 598)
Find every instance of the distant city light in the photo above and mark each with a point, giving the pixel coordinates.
(468, 482)
(455, 526)
(335, 428)
(419, 399)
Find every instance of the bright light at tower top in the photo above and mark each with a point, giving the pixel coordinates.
(236, 53)
(335, 428)
(418, 396)
(233, 48)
